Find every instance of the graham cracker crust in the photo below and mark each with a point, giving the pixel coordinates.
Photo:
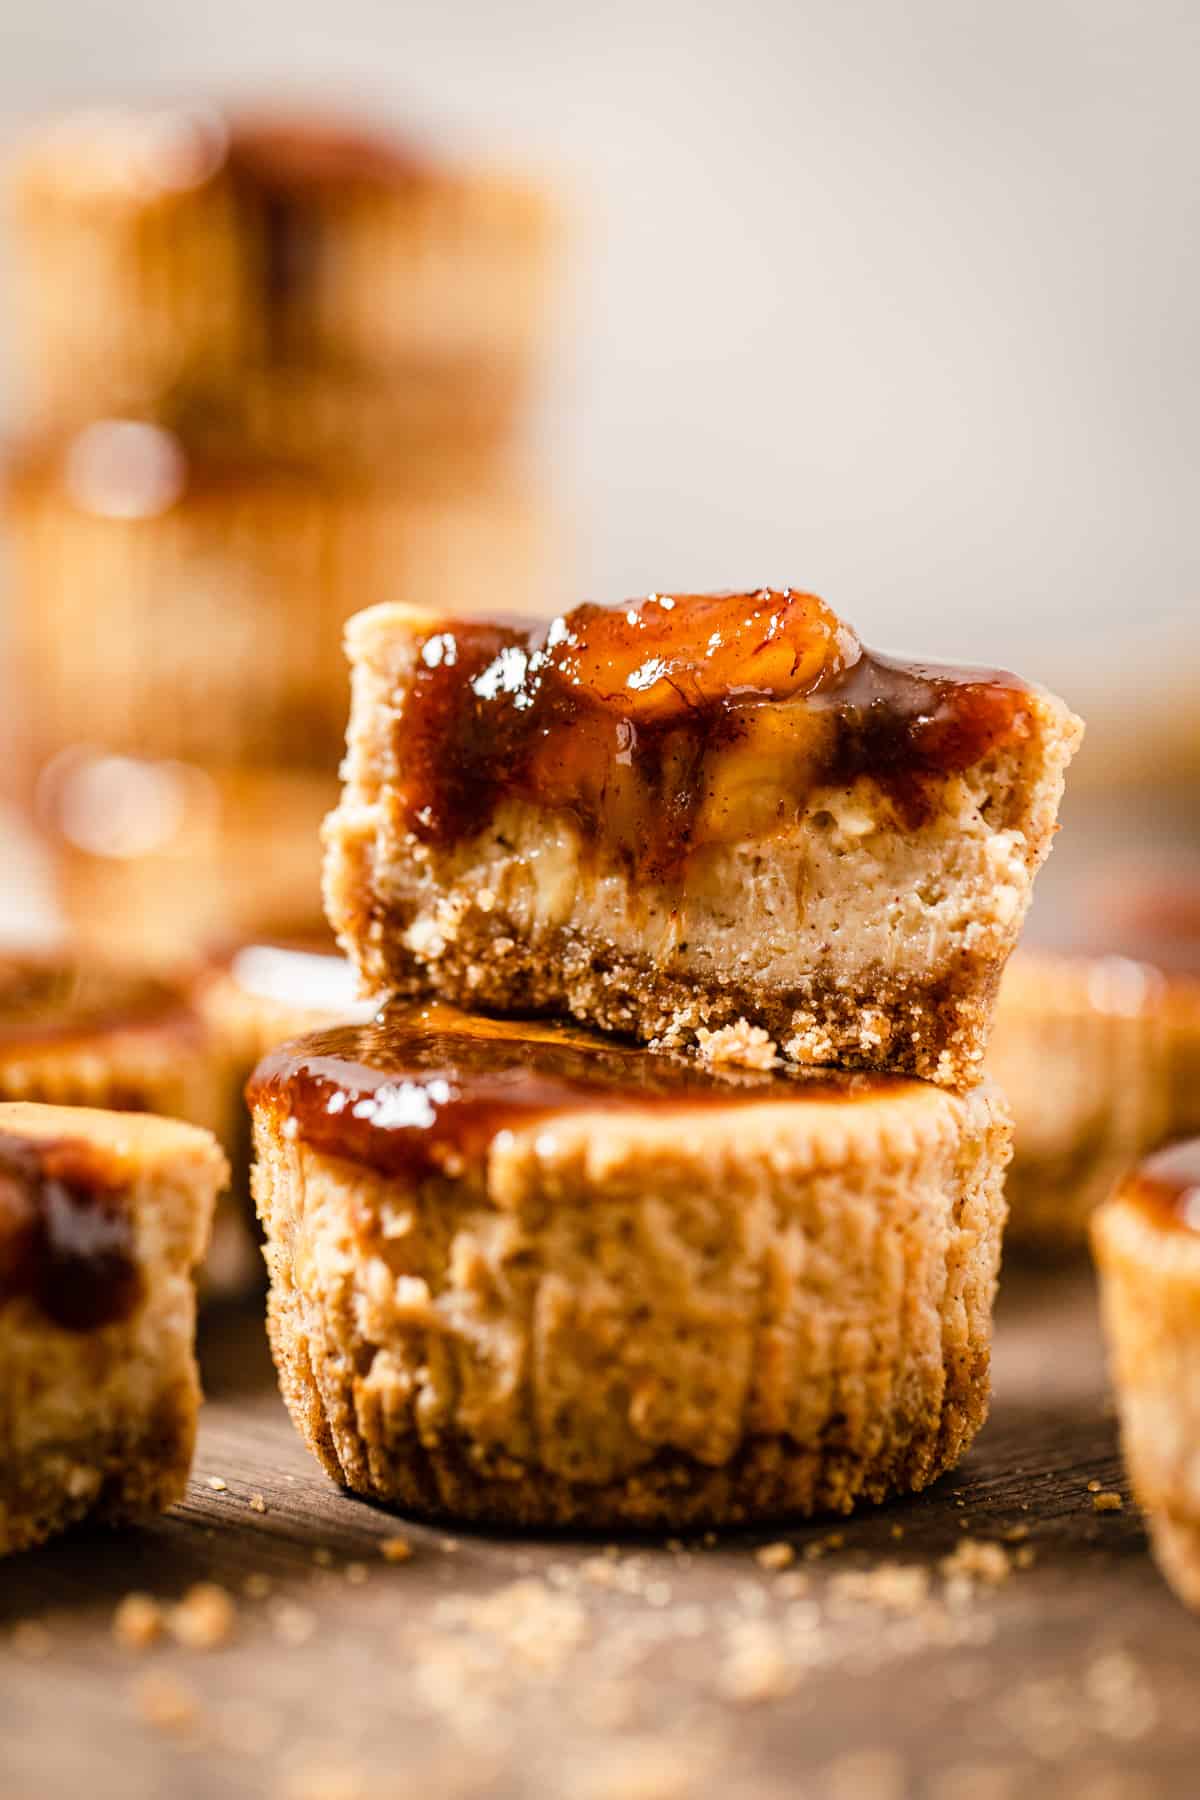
(932, 1028)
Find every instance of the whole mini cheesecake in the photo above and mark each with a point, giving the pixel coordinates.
(255, 993)
(526, 1274)
(79, 1032)
(1146, 1240)
(104, 1218)
(290, 283)
(1097, 1046)
(173, 603)
(690, 817)
(154, 859)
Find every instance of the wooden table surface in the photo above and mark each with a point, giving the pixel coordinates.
(500, 1666)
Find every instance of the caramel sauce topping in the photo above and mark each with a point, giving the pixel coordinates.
(1167, 1184)
(44, 998)
(66, 1237)
(423, 1090)
(622, 716)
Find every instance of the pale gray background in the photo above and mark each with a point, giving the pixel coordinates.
(899, 302)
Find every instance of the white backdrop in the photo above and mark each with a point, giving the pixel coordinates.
(895, 301)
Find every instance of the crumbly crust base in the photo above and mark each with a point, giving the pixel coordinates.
(110, 1476)
(934, 1028)
(504, 1355)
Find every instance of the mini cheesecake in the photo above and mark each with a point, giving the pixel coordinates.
(524, 1274)
(103, 1219)
(289, 283)
(1097, 1045)
(696, 819)
(154, 859)
(75, 1032)
(255, 994)
(1146, 1241)
(172, 604)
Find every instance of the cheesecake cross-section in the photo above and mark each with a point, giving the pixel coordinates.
(692, 815)
(104, 1218)
(523, 1274)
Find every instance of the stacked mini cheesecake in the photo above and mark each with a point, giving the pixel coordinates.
(274, 366)
(666, 1188)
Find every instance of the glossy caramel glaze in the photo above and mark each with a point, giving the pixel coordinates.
(44, 999)
(1167, 1185)
(298, 152)
(619, 716)
(426, 1089)
(66, 1236)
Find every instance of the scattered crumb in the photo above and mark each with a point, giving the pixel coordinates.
(775, 1556)
(747, 1045)
(256, 1586)
(31, 1640)
(356, 1574)
(166, 1703)
(793, 1584)
(1107, 1502)
(138, 1621)
(395, 1549)
(205, 1617)
(896, 1587)
(866, 1775)
(978, 1561)
(897, 1532)
(294, 1625)
(323, 1557)
(1094, 1486)
(257, 1503)
(1016, 1534)
(540, 1624)
(756, 1666)
(218, 1484)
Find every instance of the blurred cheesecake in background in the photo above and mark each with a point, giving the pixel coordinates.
(1146, 1241)
(172, 604)
(261, 276)
(1097, 1045)
(155, 858)
(276, 368)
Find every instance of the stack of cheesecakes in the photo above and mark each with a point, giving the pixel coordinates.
(275, 366)
(667, 1186)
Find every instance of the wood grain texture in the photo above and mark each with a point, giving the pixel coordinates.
(681, 1671)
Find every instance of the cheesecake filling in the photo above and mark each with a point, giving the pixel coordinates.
(425, 1090)
(681, 723)
(66, 1233)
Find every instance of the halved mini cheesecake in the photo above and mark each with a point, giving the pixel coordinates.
(525, 1274)
(710, 819)
(1146, 1241)
(103, 1219)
